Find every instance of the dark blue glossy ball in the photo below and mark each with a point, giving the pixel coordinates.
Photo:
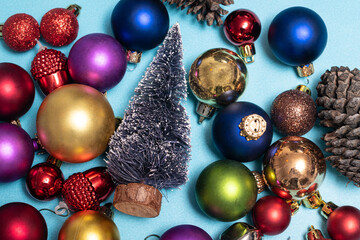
(297, 36)
(140, 25)
(226, 132)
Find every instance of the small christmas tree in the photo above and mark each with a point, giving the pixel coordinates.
(151, 147)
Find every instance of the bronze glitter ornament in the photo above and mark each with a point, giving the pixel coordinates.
(217, 78)
(294, 167)
(293, 112)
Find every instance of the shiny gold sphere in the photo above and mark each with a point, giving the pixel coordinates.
(294, 167)
(74, 123)
(218, 77)
(89, 225)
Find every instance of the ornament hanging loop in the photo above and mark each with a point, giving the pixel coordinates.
(75, 9)
(152, 235)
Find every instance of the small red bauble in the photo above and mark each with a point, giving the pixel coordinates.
(17, 91)
(44, 181)
(344, 223)
(242, 27)
(85, 191)
(59, 27)
(21, 32)
(271, 215)
(49, 68)
(21, 221)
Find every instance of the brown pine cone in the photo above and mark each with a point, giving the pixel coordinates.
(79, 194)
(208, 10)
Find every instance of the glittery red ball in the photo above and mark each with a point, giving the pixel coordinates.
(20, 32)
(59, 27)
(46, 62)
(79, 194)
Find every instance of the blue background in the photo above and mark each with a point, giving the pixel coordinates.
(267, 78)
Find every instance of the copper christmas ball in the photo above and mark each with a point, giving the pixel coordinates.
(294, 167)
(293, 112)
(74, 123)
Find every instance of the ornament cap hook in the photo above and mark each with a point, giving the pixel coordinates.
(133, 56)
(303, 88)
(205, 111)
(75, 9)
(247, 53)
(305, 70)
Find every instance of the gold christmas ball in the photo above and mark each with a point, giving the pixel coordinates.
(74, 123)
(294, 167)
(86, 225)
(218, 77)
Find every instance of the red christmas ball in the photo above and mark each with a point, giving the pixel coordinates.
(271, 215)
(344, 223)
(85, 191)
(17, 91)
(59, 27)
(49, 68)
(44, 181)
(21, 221)
(21, 32)
(242, 27)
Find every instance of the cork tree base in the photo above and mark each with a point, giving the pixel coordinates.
(138, 199)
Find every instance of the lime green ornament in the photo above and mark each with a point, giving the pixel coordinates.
(226, 190)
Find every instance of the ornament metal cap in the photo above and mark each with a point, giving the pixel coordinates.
(75, 9)
(294, 205)
(315, 234)
(313, 201)
(1, 30)
(252, 127)
(107, 210)
(303, 88)
(54, 161)
(247, 52)
(305, 70)
(260, 182)
(327, 209)
(16, 122)
(133, 56)
(205, 111)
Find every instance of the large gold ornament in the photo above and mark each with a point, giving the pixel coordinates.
(294, 167)
(74, 123)
(217, 78)
(86, 225)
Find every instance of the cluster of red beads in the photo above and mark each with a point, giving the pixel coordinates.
(79, 194)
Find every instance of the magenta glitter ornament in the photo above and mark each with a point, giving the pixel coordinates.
(16, 152)
(97, 60)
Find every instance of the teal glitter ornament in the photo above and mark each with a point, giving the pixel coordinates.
(226, 190)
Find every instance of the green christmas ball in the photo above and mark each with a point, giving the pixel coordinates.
(226, 190)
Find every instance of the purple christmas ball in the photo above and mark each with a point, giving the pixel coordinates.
(188, 232)
(97, 60)
(16, 152)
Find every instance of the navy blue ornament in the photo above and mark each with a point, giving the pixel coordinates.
(297, 36)
(139, 25)
(242, 131)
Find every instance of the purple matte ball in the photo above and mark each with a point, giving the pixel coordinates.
(188, 232)
(97, 60)
(16, 152)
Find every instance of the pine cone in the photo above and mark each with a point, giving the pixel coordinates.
(208, 10)
(46, 62)
(79, 194)
(339, 95)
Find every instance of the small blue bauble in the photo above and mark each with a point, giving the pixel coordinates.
(297, 36)
(140, 25)
(242, 131)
